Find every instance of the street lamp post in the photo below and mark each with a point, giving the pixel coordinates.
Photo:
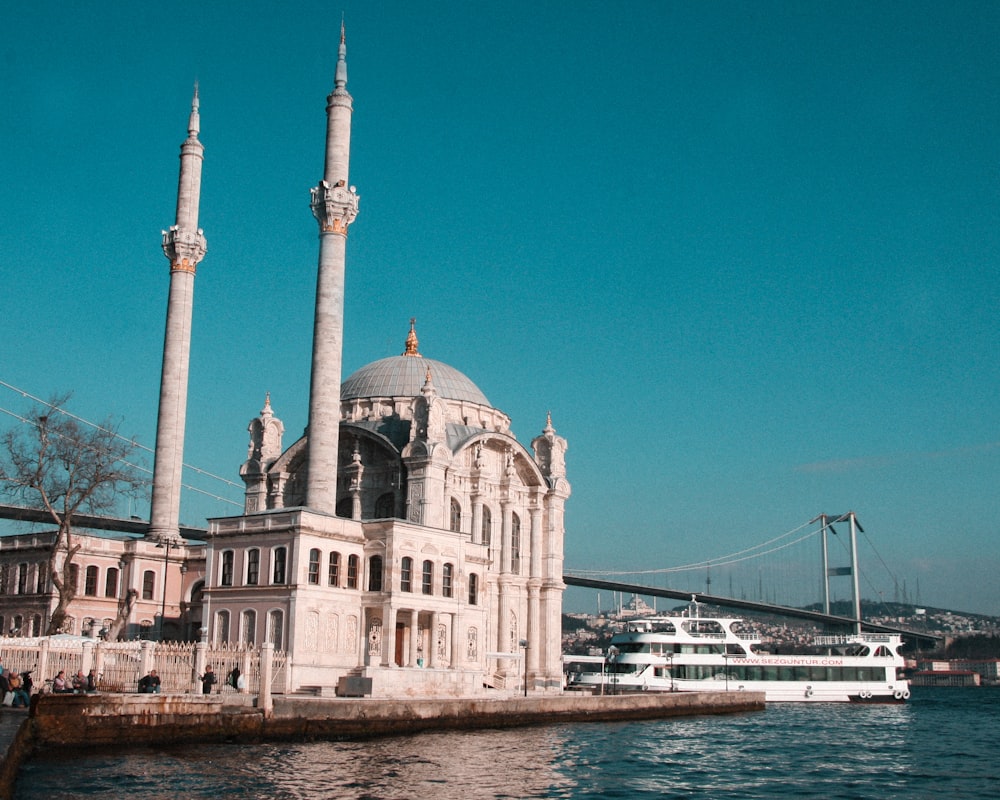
(524, 644)
(163, 603)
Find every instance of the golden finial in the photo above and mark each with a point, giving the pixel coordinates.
(411, 340)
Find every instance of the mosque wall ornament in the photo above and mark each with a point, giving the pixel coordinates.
(334, 207)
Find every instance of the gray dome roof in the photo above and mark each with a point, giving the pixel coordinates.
(404, 376)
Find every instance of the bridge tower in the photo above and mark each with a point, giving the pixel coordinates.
(184, 246)
(826, 522)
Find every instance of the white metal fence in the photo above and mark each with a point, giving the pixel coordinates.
(118, 666)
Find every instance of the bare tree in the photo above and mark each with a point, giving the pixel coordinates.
(55, 462)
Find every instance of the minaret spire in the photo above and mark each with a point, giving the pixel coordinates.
(334, 205)
(184, 246)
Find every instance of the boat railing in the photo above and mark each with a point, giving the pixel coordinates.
(867, 638)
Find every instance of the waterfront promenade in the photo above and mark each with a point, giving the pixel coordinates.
(91, 721)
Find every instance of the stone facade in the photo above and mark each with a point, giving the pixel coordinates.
(408, 538)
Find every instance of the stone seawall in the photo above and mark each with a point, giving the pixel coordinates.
(104, 719)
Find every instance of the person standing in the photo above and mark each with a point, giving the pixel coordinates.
(208, 680)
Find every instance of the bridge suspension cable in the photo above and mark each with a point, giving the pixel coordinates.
(117, 435)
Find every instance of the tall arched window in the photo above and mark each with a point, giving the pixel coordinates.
(226, 576)
(385, 506)
(221, 627)
(253, 566)
(111, 583)
(447, 579)
(353, 562)
(148, 584)
(280, 554)
(473, 589)
(456, 516)
(89, 581)
(43, 574)
(427, 578)
(515, 543)
(74, 578)
(406, 575)
(487, 532)
(334, 572)
(276, 628)
(248, 626)
(375, 574)
(22, 579)
(314, 567)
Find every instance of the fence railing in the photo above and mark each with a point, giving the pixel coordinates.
(118, 666)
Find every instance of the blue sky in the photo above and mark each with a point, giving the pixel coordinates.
(747, 254)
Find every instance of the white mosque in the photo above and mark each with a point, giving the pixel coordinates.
(407, 545)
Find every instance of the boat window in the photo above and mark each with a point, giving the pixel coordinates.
(632, 647)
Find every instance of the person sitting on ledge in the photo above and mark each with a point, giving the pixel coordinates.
(150, 684)
(59, 684)
(21, 699)
(79, 683)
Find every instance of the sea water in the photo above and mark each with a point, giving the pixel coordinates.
(940, 744)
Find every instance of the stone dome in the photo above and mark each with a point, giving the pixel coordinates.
(404, 376)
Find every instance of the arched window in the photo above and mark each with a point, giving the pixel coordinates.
(406, 575)
(427, 578)
(473, 589)
(456, 516)
(248, 626)
(276, 628)
(487, 525)
(280, 554)
(385, 506)
(89, 583)
(36, 625)
(148, 584)
(253, 566)
(43, 574)
(74, 577)
(22, 579)
(352, 571)
(314, 567)
(515, 543)
(226, 578)
(447, 579)
(221, 627)
(375, 574)
(111, 583)
(334, 572)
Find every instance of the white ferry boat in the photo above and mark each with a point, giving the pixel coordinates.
(709, 654)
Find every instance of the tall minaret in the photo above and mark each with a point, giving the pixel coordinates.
(335, 205)
(184, 245)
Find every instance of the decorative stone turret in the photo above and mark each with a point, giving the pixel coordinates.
(264, 448)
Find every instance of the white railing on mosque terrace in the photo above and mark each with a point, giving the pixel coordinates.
(118, 666)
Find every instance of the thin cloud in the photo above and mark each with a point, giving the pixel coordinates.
(879, 461)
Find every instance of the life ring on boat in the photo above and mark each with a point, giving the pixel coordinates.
(865, 694)
(898, 694)
(809, 691)
(906, 694)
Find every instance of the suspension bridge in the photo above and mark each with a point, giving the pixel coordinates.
(777, 576)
